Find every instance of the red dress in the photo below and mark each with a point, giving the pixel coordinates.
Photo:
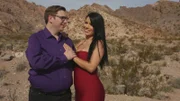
(87, 85)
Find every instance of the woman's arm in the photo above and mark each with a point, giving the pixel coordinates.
(94, 61)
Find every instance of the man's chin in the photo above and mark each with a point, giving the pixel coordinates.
(61, 30)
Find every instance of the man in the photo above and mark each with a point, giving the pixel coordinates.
(50, 75)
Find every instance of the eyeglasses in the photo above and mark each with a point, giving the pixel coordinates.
(62, 17)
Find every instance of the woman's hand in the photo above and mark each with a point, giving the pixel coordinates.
(69, 52)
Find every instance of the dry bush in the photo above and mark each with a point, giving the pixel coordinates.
(176, 48)
(172, 50)
(21, 66)
(1, 96)
(131, 68)
(175, 57)
(168, 51)
(3, 73)
(117, 47)
(15, 42)
(128, 72)
(12, 95)
(149, 53)
(176, 83)
(1, 45)
(138, 80)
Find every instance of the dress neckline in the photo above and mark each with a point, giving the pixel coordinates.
(82, 51)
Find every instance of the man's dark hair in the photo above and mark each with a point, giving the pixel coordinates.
(52, 10)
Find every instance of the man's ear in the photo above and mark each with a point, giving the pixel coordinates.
(50, 17)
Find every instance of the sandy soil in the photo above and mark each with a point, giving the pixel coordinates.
(14, 85)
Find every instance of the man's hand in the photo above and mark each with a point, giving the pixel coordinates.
(69, 53)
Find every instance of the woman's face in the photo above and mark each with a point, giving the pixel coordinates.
(88, 28)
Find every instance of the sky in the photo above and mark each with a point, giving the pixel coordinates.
(76, 4)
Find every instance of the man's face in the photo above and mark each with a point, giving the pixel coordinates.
(59, 21)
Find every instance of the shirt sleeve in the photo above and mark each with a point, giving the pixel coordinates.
(40, 59)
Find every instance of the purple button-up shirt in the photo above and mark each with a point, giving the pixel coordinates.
(50, 70)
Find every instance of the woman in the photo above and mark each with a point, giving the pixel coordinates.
(91, 52)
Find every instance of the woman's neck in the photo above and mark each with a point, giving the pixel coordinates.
(89, 38)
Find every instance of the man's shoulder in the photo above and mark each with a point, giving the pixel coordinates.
(37, 34)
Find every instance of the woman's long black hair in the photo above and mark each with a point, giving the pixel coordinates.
(97, 22)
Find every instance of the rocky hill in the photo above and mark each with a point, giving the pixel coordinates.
(143, 61)
(20, 17)
(164, 15)
(115, 26)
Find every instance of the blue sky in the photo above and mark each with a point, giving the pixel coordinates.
(76, 4)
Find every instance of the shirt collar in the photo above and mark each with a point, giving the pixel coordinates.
(48, 34)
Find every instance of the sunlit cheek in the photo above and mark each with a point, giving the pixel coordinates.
(92, 31)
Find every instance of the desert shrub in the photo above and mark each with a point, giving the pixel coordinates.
(116, 47)
(149, 53)
(1, 96)
(138, 80)
(168, 51)
(175, 57)
(112, 62)
(176, 48)
(1, 45)
(155, 39)
(3, 73)
(131, 69)
(21, 66)
(176, 83)
(12, 95)
(126, 73)
(164, 63)
(14, 42)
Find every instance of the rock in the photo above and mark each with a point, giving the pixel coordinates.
(73, 92)
(7, 57)
(2, 54)
(120, 89)
(144, 91)
(8, 46)
(19, 54)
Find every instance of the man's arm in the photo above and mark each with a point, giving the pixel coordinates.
(40, 59)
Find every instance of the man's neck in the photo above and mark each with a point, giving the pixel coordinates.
(53, 31)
